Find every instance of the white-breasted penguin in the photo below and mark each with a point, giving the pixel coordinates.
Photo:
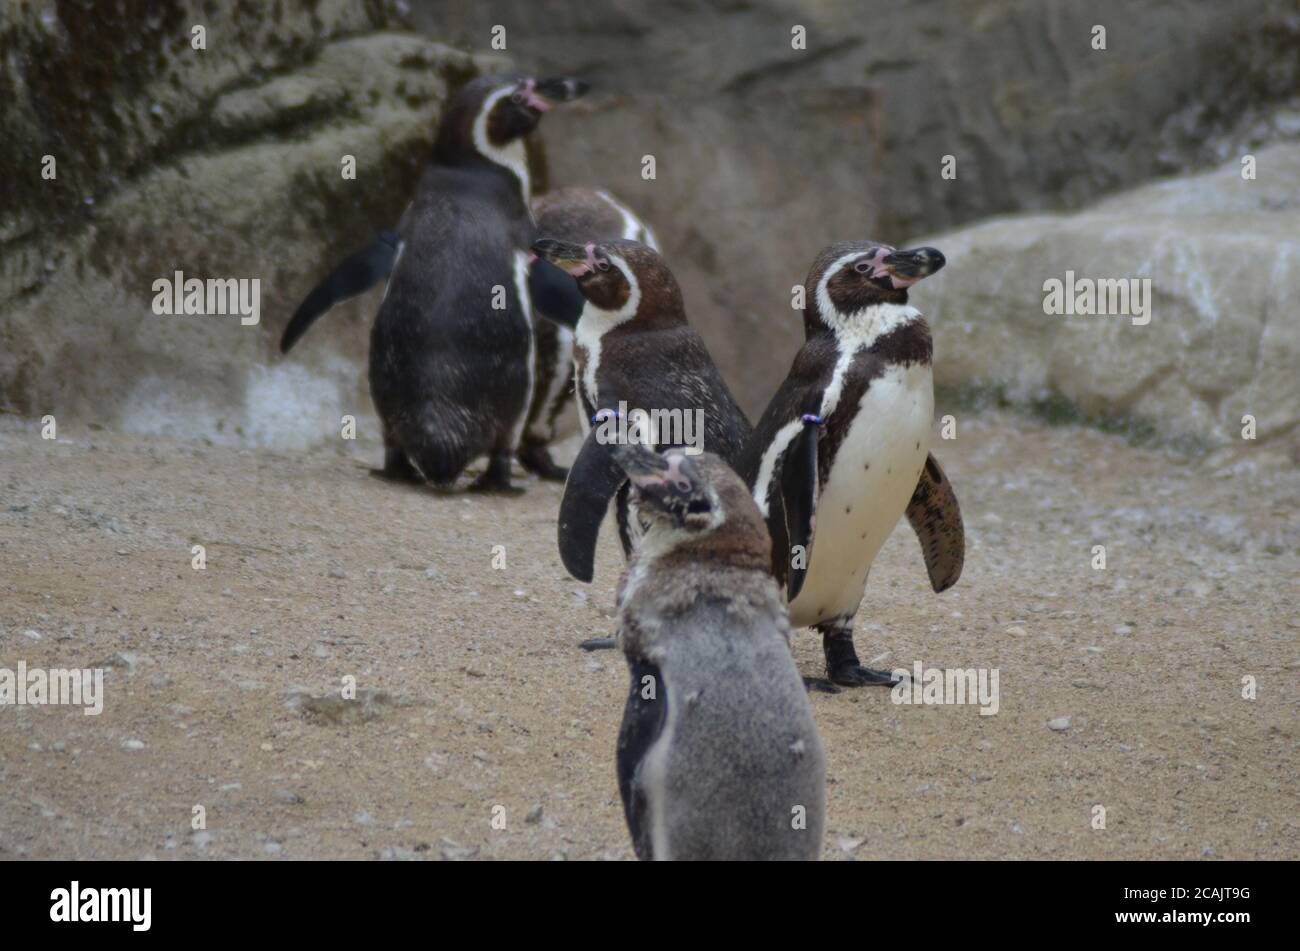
(633, 347)
(842, 450)
(718, 754)
(576, 215)
(452, 350)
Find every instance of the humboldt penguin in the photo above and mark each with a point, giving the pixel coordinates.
(718, 755)
(634, 354)
(569, 214)
(843, 448)
(452, 350)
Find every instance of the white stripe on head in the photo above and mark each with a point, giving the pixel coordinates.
(512, 155)
(634, 229)
(594, 323)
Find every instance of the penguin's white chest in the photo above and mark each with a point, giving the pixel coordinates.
(867, 489)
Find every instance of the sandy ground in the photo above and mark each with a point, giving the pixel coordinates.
(222, 684)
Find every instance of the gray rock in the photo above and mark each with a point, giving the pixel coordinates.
(1223, 257)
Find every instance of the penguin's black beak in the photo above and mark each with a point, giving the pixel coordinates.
(576, 259)
(561, 88)
(914, 264)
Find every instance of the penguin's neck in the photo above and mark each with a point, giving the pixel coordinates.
(511, 155)
(861, 328)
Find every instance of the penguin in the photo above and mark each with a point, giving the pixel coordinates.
(842, 450)
(569, 214)
(634, 349)
(452, 349)
(718, 755)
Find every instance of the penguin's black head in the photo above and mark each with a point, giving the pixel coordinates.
(618, 276)
(670, 487)
(490, 113)
(850, 276)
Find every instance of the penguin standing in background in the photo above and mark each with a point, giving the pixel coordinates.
(633, 348)
(718, 754)
(452, 355)
(578, 215)
(843, 448)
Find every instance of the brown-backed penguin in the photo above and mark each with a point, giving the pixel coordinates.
(452, 350)
(718, 755)
(577, 215)
(843, 448)
(634, 353)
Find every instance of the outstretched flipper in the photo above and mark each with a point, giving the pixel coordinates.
(554, 293)
(799, 500)
(936, 519)
(594, 479)
(357, 274)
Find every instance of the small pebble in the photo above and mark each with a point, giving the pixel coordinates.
(1060, 724)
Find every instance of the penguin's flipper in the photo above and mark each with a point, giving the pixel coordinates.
(594, 479)
(555, 293)
(799, 499)
(643, 722)
(936, 519)
(355, 275)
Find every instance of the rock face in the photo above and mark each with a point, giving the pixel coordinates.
(225, 163)
(768, 153)
(219, 163)
(1223, 340)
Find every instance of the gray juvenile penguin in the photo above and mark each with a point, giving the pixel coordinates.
(718, 755)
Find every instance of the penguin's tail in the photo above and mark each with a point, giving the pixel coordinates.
(355, 275)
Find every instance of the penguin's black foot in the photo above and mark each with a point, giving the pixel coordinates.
(496, 478)
(406, 476)
(598, 644)
(853, 674)
(536, 458)
(397, 468)
(842, 664)
(820, 685)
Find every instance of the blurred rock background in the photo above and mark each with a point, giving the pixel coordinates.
(225, 162)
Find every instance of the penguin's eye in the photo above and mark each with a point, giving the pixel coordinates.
(862, 267)
(516, 97)
(602, 265)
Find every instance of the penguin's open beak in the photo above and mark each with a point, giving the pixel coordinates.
(908, 267)
(544, 93)
(576, 259)
(670, 482)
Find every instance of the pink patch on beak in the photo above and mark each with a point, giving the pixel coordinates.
(587, 266)
(531, 99)
(878, 269)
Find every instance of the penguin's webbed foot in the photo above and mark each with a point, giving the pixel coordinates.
(842, 664)
(496, 478)
(820, 685)
(853, 674)
(397, 468)
(598, 644)
(536, 458)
